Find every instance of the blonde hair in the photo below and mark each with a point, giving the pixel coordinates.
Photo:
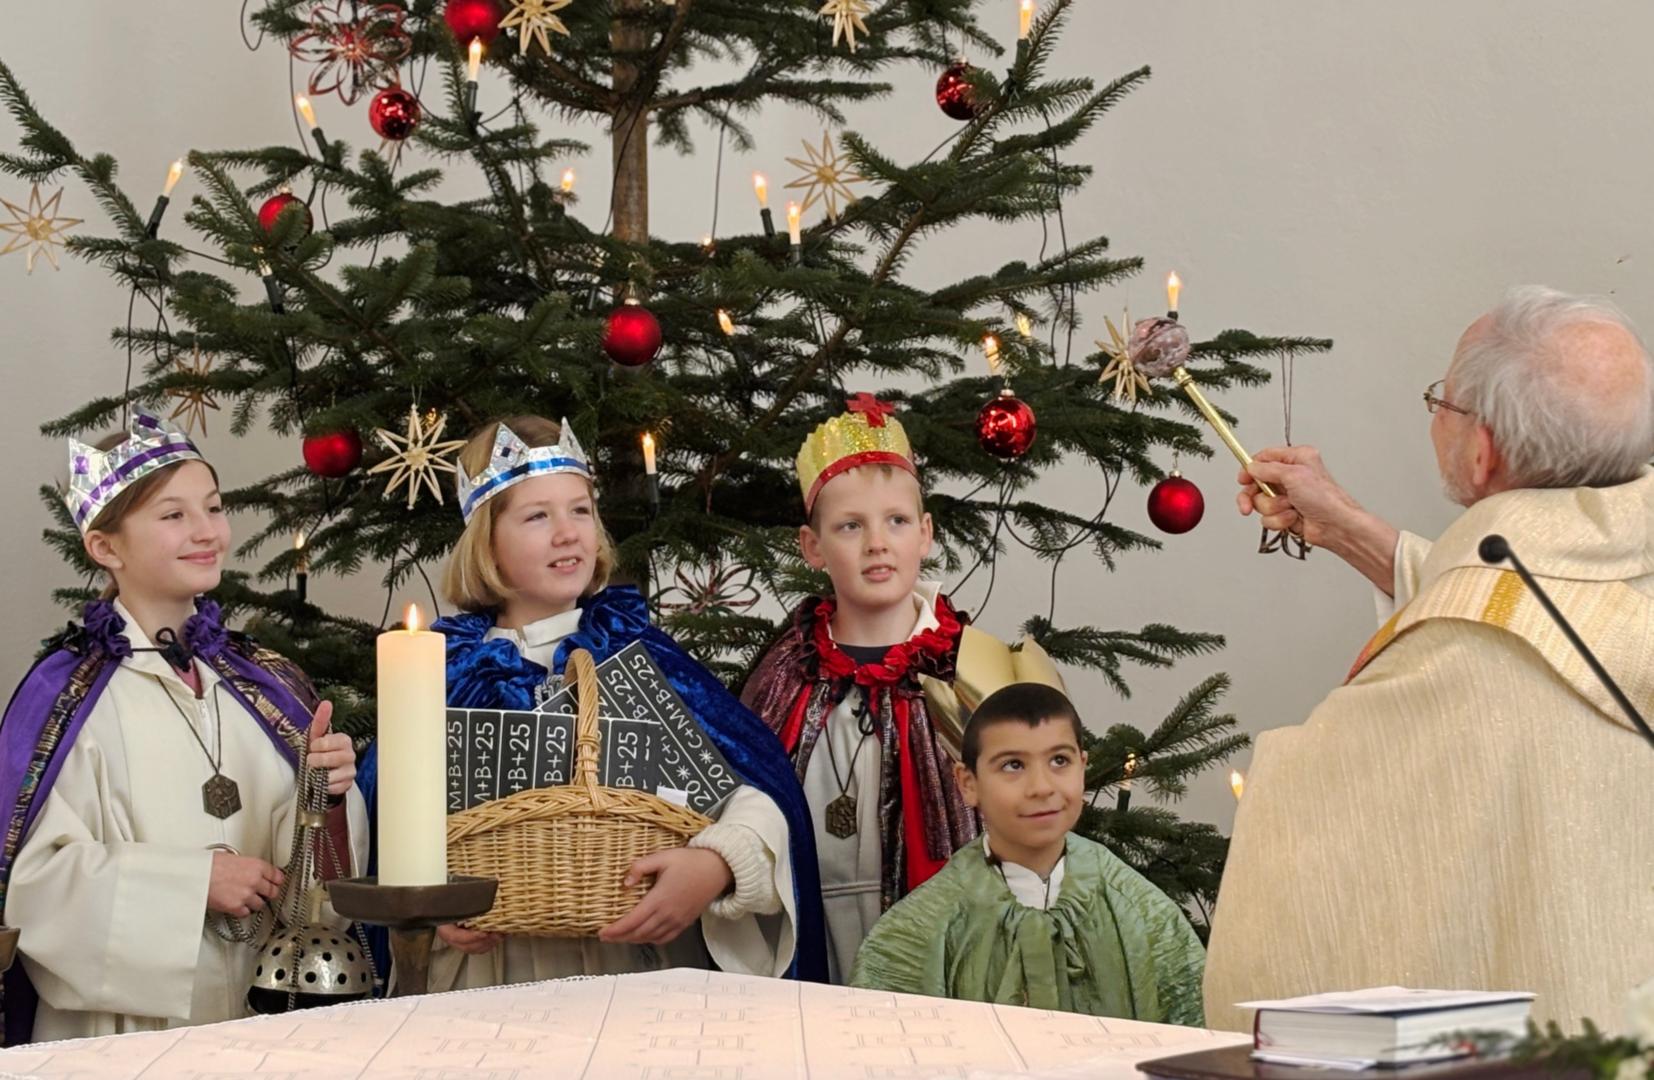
(472, 580)
(129, 501)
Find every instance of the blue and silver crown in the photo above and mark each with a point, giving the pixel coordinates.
(96, 476)
(513, 461)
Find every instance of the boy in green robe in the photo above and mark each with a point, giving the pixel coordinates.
(1029, 913)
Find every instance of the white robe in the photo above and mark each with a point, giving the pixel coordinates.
(852, 867)
(109, 888)
(749, 932)
(1470, 810)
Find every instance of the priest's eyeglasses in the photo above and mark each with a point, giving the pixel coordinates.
(1433, 402)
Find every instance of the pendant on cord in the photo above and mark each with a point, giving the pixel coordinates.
(220, 796)
(841, 817)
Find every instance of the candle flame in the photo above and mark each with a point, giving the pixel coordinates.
(648, 443)
(1025, 18)
(1237, 783)
(726, 323)
(1025, 325)
(298, 541)
(411, 618)
(1131, 764)
(474, 58)
(1174, 287)
(706, 241)
(305, 110)
(174, 174)
(990, 346)
(762, 186)
(568, 181)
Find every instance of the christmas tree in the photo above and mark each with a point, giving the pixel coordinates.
(386, 309)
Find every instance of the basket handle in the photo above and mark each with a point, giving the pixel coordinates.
(579, 671)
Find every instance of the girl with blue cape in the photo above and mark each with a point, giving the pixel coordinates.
(530, 574)
(147, 768)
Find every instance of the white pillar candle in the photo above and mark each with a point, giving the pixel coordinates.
(413, 707)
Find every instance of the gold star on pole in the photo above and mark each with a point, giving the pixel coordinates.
(417, 457)
(194, 401)
(1128, 381)
(827, 176)
(533, 20)
(847, 19)
(38, 230)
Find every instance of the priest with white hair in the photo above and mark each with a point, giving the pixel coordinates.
(1470, 809)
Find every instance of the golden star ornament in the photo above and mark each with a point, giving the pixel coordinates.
(1128, 381)
(827, 176)
(194, 401)
(534, 20)
(38, 230)
(418, 456)
(847, 16)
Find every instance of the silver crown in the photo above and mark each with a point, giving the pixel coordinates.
(514, 461)
(96, 476)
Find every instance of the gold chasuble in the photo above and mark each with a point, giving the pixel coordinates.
(1470, 810)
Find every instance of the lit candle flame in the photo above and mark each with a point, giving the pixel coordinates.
(1237, 783)
(726, 323)
(762, 187)
(1025, 19)
(298, 541)
(648, 454)
(1025, 325)
(990, 346)
(410, 618)
(706, 242)
(306, 111)
(174, 174)
(568, 181)
(1174, 288)
(475, 59)
(795, 218)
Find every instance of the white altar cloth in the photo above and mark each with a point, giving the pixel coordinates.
(669, 1025)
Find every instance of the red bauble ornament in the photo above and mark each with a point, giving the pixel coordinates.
(632, 337)
(394, 113)
(954, 93)
(275, 205)
(1005, 427)
(473, 19)
(333, 454)
(1175, 504)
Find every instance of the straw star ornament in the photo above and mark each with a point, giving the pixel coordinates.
(827, 176)
(847, 16)
(534, 21)
(418, 456)
(37, 230)
(1122, 367)
(195, 400)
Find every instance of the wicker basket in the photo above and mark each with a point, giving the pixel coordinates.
(561, 854)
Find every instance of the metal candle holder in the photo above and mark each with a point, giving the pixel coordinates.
(412, 913)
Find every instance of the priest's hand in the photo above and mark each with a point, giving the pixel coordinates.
(468, 941)
(686, 881)
(332, 751)
(1310, 502)
(241, 884)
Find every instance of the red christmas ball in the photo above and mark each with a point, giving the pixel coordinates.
(394, 113)
(1175, 504)
(632, 337)
(333, 453)
(954, 94)
(277, 204)
(1005, 427)
(473, 19)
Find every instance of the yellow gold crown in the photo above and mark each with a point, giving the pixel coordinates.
(866, 435)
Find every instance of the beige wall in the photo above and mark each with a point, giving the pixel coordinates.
(1375, 173)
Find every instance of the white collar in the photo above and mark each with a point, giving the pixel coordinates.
(924, 605)
(547, 631)
(1029, 889)
(151, 663)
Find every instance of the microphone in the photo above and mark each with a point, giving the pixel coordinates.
(1495, 549)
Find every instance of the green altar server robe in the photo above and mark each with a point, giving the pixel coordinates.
(1108, 942)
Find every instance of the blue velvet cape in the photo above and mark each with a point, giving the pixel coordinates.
(493, 674)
